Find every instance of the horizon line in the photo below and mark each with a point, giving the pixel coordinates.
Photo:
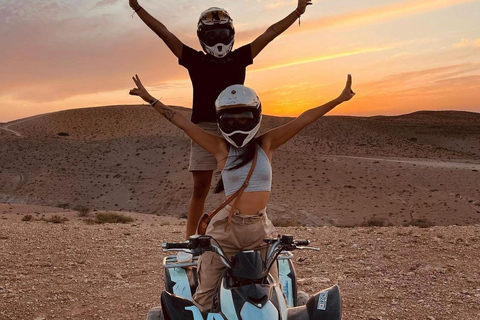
(2, 124)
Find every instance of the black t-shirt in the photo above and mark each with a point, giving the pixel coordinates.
(211, 75)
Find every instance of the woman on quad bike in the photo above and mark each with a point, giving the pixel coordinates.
(239, 115)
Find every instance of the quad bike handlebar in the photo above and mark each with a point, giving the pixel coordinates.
(199, 244)
(174, 245)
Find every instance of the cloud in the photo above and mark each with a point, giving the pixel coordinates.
(412, 80)
(467, 43)
(56, 71)
(14, 11)
(278, 4)
(106, 3)
(443, 87)
(472, 81)
(457, 93)
(366, 16)
(56, 56)
(325, 57)
(387, 12)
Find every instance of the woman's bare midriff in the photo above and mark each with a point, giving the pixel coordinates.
(252, 202)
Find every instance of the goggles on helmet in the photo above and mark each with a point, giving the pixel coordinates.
(244, 121)
(216, 36)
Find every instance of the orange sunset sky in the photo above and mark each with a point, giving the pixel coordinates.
(404, 55)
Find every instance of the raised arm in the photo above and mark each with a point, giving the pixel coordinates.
(156, 26)
(275, 30)
(210, 142)
(274, 138)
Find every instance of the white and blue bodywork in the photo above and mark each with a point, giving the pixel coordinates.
(239, 299)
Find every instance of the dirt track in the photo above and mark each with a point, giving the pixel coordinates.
(79, 271)
(428, 163)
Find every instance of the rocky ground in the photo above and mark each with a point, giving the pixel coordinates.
(339, 173)
(75, 270)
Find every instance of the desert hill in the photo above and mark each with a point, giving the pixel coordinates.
(339, 171)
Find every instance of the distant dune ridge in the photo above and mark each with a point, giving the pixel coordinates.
(342, 171)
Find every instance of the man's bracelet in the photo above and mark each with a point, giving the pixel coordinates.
(153, 102)
(298, 14)
(136, 10)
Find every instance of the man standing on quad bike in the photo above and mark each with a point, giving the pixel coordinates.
(211, 72)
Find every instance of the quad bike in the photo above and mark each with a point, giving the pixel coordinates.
(246, 289)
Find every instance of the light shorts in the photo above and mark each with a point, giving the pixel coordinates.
(201, 159)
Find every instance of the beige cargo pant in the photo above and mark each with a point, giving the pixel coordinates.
(246, 232)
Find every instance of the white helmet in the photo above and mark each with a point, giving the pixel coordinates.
(215, 32)
(239, 114)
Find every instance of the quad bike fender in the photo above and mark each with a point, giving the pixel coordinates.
(325, 305)
(288, 279)
(176, 308)
(178, 282)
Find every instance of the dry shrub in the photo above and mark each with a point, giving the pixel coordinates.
(421, 223)
(183, 215)
(55, 219)
(281, 222)
(109, 217)
(374, 222)
(82, 210)
(27, 217)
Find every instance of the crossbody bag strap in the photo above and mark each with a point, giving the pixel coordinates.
(205, 220)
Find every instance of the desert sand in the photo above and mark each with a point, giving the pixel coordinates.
(334, 184)
(341, 171)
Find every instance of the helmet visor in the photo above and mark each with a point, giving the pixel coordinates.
(215, 17)
(215, 36)
(230, 122)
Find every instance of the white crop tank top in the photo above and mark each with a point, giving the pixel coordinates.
(261, 179)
